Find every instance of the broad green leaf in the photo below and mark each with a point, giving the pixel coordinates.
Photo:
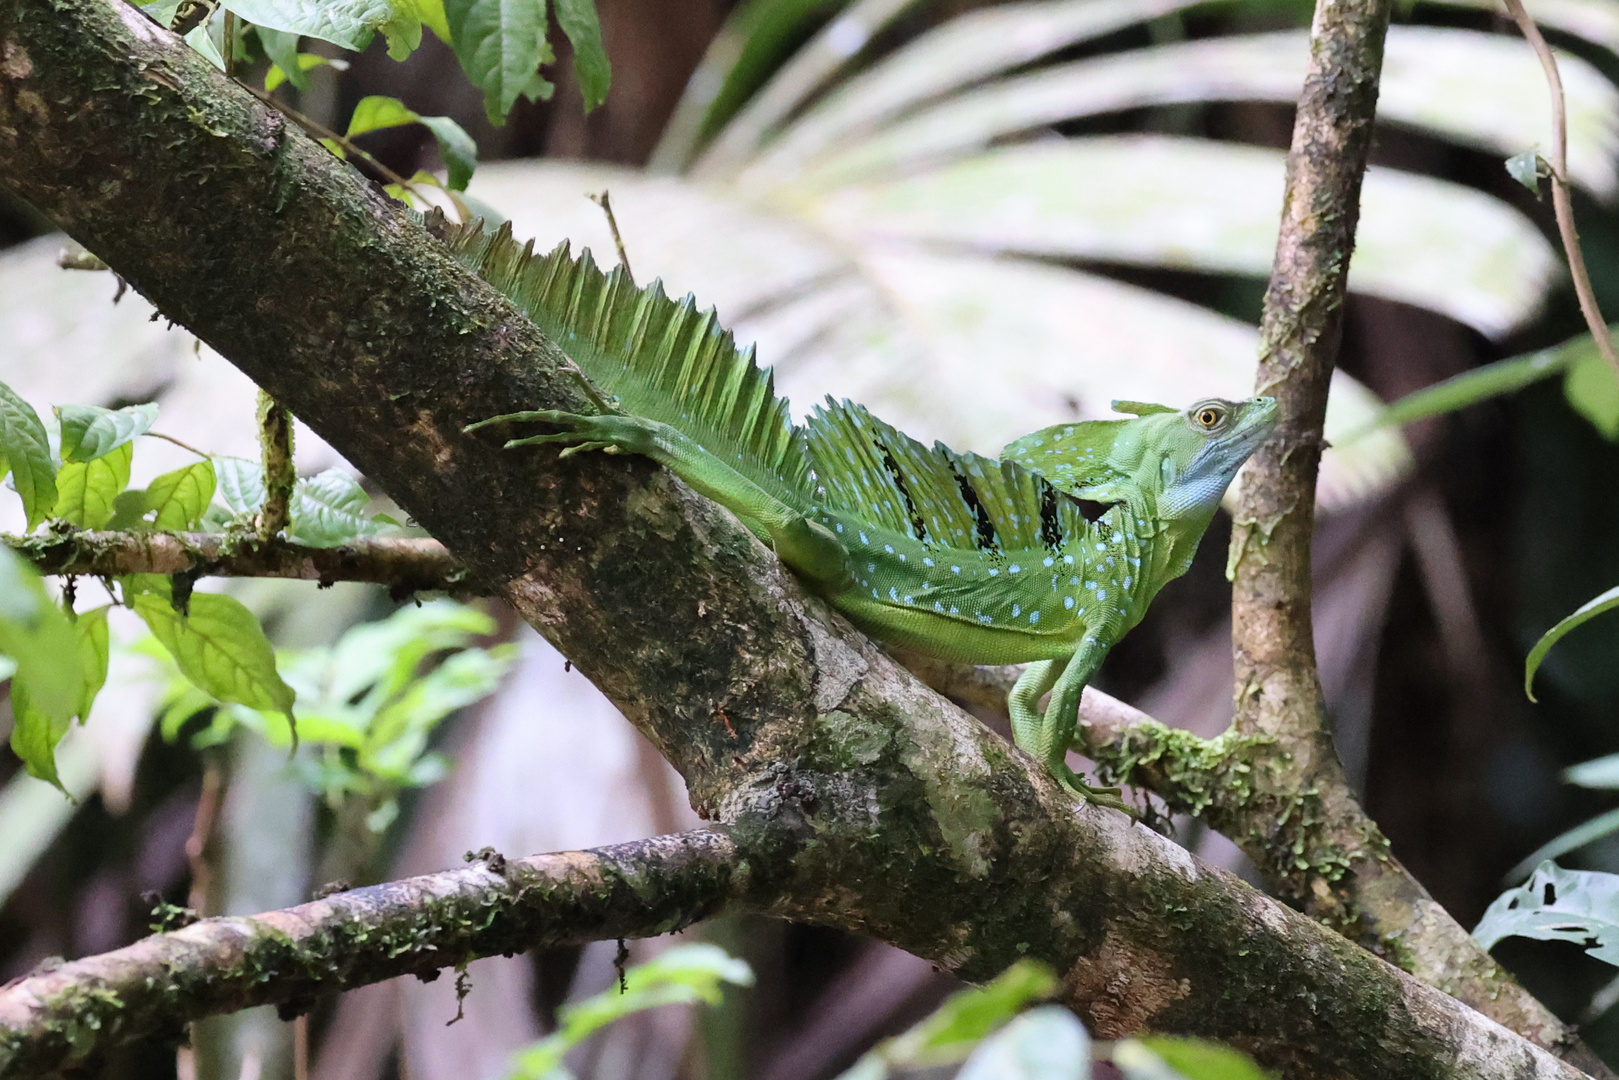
(220, 646)
(1579, 906)
(1584, 613)
(181, 496)
(398, 734)
(328, 510)
(501, 45)
(578, 20)
(377, 112)
(86, 492)
(1047, 1043)
(89, 431)
(306, 62)
(95, 649)
(349, 23)
(1592, 389)
(240, 484)
(286, 64)
(25, 445)
(431, 14)
(129, 512)
(456, 147)
(47, 685)
(1166, 1057)
(686, 974)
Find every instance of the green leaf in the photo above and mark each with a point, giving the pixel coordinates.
(1601, 773)
(377, 112)
(1580, 906)
(24, 444)
(1592, 389)
(181, 496)
(349, 23)
(95, 648)
(1047, 1043)
(86, 493)
(201, 38)
(1166, 1057)
(220, 647)
(1527, 168)
(1481, 384)
(163, 11)
(949, 1034)
(501, 45)
(89, 431)
(578, 20)
(47, 685)
(398, 735)
(282, 49)
(129, 512)
(686, 974)
(1586, 832)
(431, 13)
(328, 510)
(456, 147)
(306, 62)
(241, 484)
(1584, 613)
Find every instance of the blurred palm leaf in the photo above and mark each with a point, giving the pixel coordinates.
(902, 237)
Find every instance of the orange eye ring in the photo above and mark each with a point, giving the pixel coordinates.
(1209, 416)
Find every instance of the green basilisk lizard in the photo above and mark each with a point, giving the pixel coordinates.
(1046, 556)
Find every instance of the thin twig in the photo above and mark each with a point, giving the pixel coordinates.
(176, 442)
(321, 131)
(605, 201)
(230, 44)
(275, 451)
(1562, 198)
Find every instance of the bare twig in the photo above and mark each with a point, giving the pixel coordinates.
(408, 565)
(1562, 196)
(605, 201)
(176, 442)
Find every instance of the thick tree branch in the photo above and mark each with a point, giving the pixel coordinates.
(1297, 817)
(865, 800)
(413, 927)
(403, 564)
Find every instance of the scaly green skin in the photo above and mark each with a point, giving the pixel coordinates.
(1047, 556)
(1061, 604)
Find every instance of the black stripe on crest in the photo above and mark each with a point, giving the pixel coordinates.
(1050, 527)
(919, 528)
(986, 528)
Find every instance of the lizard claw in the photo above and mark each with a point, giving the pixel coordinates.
(1101, 796)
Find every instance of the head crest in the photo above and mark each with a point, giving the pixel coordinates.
(1140, 408)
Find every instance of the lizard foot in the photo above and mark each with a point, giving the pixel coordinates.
(1101, 796)
(611, 433)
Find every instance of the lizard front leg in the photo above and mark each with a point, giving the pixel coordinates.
(1047, 736)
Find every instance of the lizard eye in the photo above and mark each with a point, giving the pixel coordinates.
(1209, 416)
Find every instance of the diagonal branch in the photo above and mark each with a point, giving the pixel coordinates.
(859, 798)
(413, 927)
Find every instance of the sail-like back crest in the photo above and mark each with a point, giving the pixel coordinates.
(663, 359)
(871, 470)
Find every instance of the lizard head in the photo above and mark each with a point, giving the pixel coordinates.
(1198, 450)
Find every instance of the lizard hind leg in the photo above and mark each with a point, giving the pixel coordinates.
(1062, 717)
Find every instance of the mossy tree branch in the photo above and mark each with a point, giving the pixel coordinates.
(418, 926)
(856, 790)
(405, 565)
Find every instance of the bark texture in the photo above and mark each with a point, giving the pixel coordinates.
(1297, 816)
(413, 927)
(851, 791)
(404, 565)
